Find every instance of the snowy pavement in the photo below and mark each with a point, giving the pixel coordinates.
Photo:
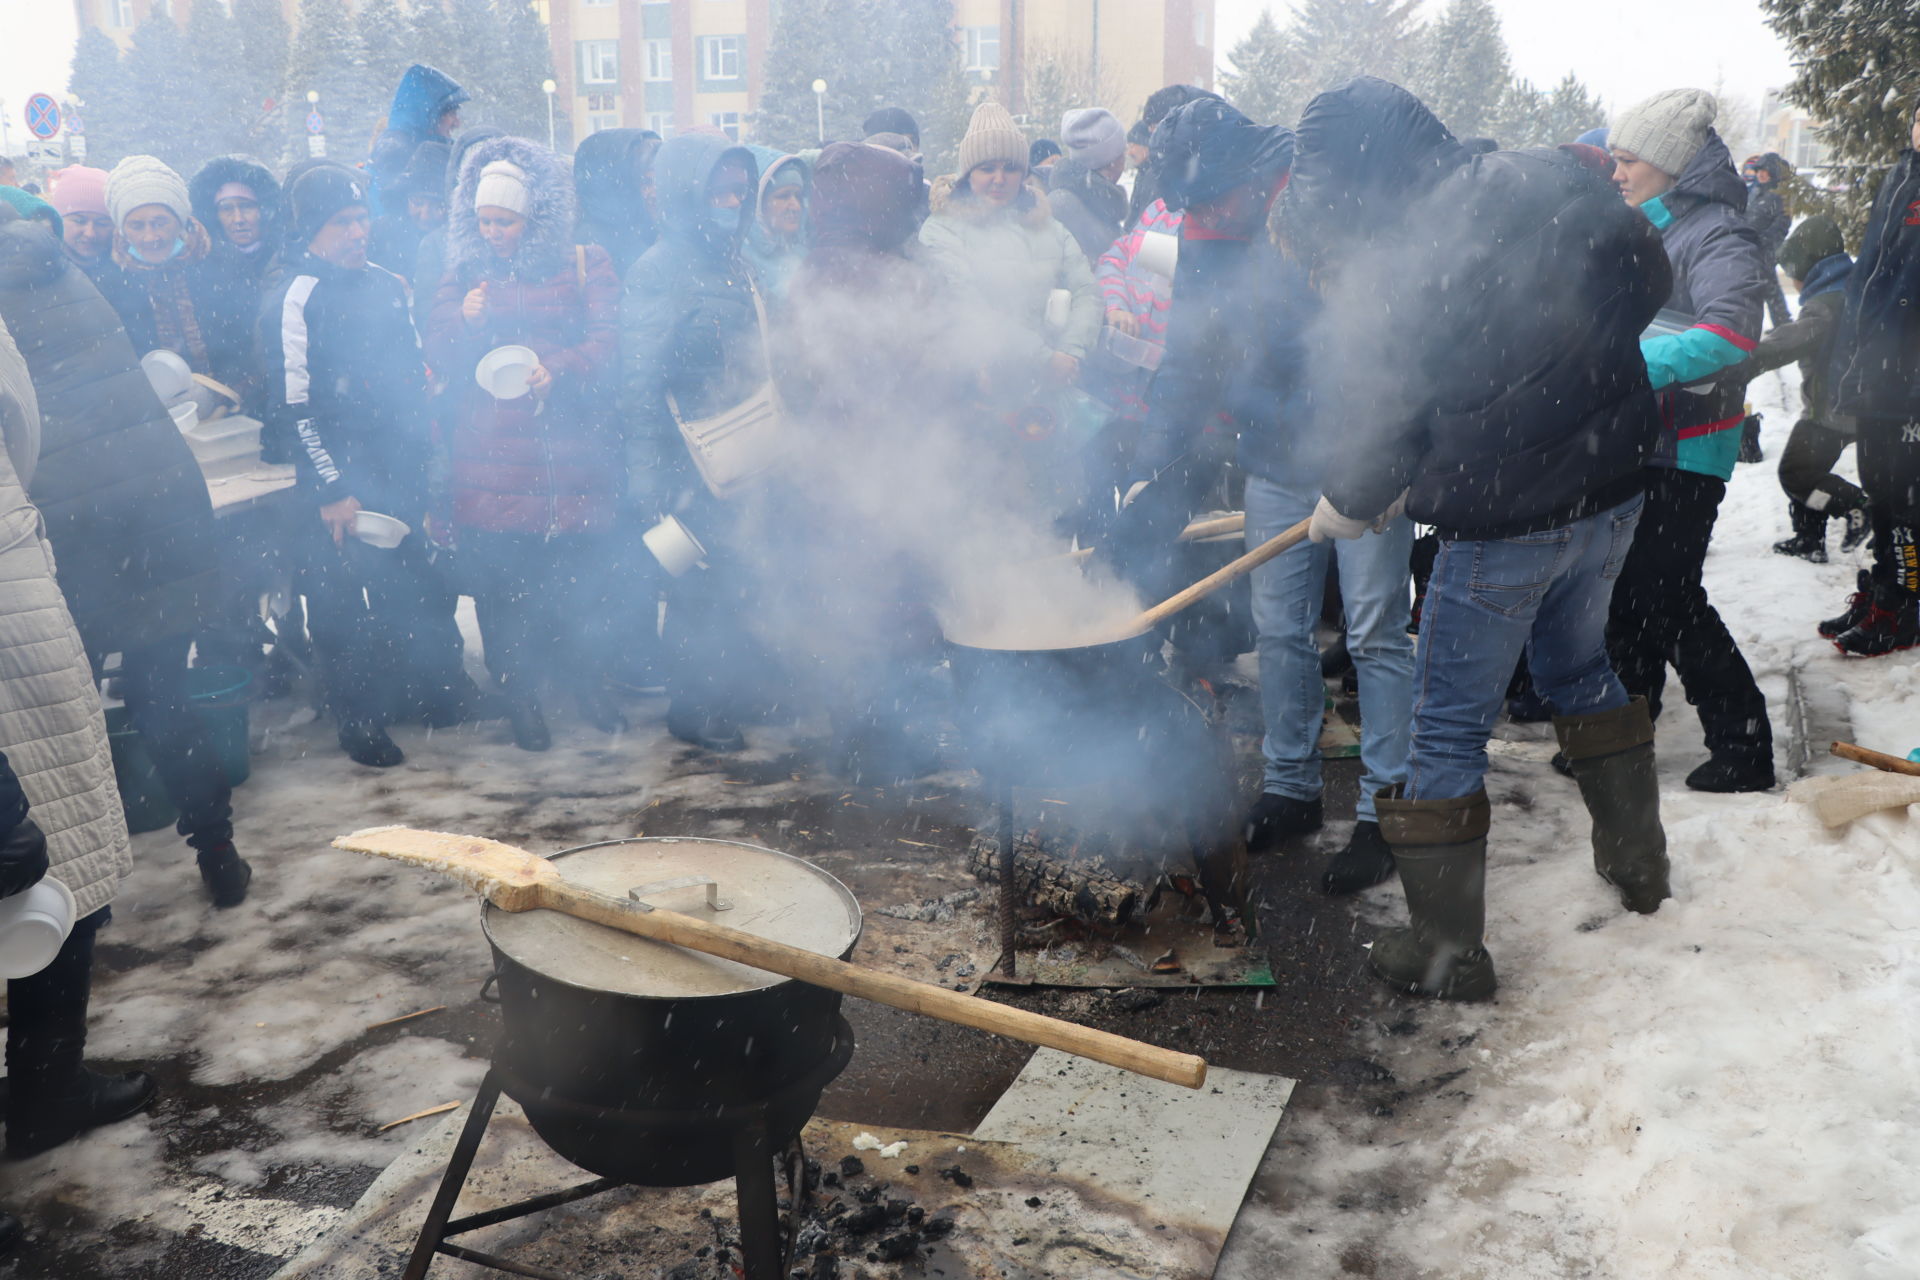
(1724, 1089)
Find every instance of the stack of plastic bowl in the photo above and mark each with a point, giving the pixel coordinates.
(33, 925)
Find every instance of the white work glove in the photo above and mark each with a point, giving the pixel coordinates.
(1328, 523)
(1122, 502)
(1397, 507)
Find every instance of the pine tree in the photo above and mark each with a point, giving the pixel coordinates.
(329, 59)
(1461, 68)
(1057, 81)
(1335, 40)
(160, 85)
(99, 82)
(516, 102)
(1522, 119)
(215, 56)
(1265, 82)
(1854, 73)
(384, 33)
(1572, 109)
(264, 45)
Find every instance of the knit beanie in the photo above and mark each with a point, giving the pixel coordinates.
(78, 189)
(503, 185)
(1812, 242)
(315, 191)
(991, 135)
(142, 180)
(1666, 130)
(1093, 137)
(891, 120)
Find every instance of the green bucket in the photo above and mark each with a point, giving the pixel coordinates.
(220, 700)
(142, 795)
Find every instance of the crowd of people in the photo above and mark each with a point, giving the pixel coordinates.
(1505, 389)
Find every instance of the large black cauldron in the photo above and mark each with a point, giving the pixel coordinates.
(644, 1062)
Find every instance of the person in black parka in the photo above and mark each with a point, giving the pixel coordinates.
(127, 513)
(1767, 214)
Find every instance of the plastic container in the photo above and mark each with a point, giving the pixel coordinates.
(186, 417)
(33, 924)
(143, 798)
(502, 372)
(223, 439)
(168, 375)
(380, 531)
(1127, 349)
(219, 696)
(674, 546)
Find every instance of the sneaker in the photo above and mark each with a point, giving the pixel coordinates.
(1890, 624)
(367, 743)
(1858, 527)
(1365, 862)
(1727, 774)
(1857, 605)
(1812, 549)
(1274, 818)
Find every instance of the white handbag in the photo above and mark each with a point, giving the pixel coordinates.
(738, 445)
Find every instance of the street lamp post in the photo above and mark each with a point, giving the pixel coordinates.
(820, 109)
(316, 138)
(548, 87)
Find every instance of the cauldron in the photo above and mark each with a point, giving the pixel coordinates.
(642, 1061)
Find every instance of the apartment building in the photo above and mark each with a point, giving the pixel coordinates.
(659, 64)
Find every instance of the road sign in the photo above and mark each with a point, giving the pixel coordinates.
(314, 123)
(43, 116)
(317, 145)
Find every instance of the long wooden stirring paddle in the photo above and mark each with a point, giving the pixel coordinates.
(515, 880)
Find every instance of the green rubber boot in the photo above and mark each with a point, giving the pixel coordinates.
(1612, 757)
(1440, 849)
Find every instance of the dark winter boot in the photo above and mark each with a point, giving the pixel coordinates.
(1889, 625)
(1859, 525)
(1809, 540)
(1857, 605)
(1274, 818)
(709, 731)
(367, 743)
(528, 725)
(1750, 450)
(225, 873)
(1726, 774)
(1440, 848)
(1365, 862)
(1612, 757)
(52, 1097)
(10, 1232)
(598, 709)
(463, 702)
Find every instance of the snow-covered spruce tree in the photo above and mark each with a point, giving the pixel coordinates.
(160, 83)
(215, 60)
(1855, 66)
(1057, 81)
(1460, 68)
(1572, 109)
(99, 81)
(1334, 40)
(328, 58)
(515, 102)
(1522, 118)
(264, 45)
(384, 34)
(919, 69)
(1265, 83)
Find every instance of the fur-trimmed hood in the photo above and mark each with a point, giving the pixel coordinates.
(547, 246)
(1030, 204)
(217, 173)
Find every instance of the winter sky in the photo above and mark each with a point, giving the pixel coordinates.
(1625, 49)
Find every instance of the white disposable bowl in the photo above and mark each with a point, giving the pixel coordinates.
(380, 531)
(168, 374)
(186, 416)
(502, 372)
(32, 927)
(674, 546)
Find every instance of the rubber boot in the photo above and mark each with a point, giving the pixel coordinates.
(1612, 757)
(1440, 849)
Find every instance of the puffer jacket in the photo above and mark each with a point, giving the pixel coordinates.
(688, 326)
(1006, 261)
(1089, 204)
(1766, 211)
(51, 728)
(1876, 349)
(1478, 344)
(124, 503)
(609, 171)
(529, 466)
(1808, 337)
(423, 95)
(1720, 279)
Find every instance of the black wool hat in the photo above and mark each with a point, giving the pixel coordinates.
(315, 191)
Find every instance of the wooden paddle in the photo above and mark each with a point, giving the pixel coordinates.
(1219, 578)
(1878, 759)
(515, 880)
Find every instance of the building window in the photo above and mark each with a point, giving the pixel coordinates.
(983, 48)
(659, 59)
(727, 122)
(720, 57)
(597, 4)
(603, 102)
(599, 61)
(119, 13)
(661, 122)
(603, 120)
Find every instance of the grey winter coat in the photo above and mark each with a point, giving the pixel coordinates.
(1089, 204)
(50, 723)
(124, 502)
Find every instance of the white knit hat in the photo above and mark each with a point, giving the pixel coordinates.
(503, 185)
(140, 180)
(991, 135)
(1666, 130)
(1092, 136)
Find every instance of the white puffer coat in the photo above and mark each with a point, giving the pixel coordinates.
(50, 723)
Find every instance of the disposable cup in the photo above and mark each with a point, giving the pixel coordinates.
(1159, 253)
(33, 925)
(674, 546)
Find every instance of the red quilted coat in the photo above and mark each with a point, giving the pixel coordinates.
(527, 466)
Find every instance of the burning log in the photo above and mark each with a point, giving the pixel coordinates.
(1081, 889)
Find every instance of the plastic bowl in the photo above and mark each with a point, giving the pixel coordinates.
(674, 546)
(185, 416)
(380, 531)
(33, 925)
(168, 374)
(502, 372)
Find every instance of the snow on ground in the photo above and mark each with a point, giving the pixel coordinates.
(1721, 1090)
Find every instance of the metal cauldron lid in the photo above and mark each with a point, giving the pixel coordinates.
(774, 895)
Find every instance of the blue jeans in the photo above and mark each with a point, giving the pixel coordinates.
(1545, 594)
(1287, 591)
